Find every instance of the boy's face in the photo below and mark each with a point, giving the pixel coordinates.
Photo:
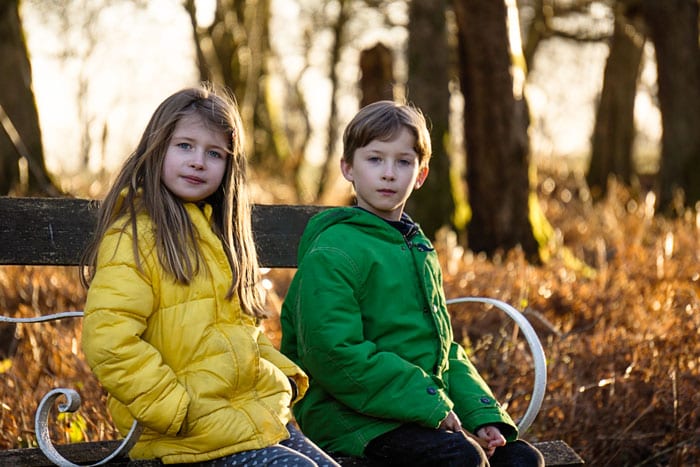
(384, 174)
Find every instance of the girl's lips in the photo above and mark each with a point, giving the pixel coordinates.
(193, 179)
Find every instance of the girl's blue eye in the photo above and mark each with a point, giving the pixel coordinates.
(215, 155)
(183, 145)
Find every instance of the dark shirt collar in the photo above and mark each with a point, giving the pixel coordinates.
(406, 226)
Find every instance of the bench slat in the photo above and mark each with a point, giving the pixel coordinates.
(54, 231)
(44, 231)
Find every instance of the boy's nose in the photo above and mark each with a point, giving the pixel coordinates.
(388, 173)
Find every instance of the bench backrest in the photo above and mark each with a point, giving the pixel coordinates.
(54, 231)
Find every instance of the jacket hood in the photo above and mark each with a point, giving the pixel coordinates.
(369, 222)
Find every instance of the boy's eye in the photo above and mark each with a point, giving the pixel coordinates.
(373, 159)
(405, 162)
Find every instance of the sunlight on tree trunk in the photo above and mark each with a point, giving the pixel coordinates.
(495, 128)
(538, 30)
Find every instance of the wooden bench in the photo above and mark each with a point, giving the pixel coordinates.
(54, 231)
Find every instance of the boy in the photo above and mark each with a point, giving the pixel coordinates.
(366, 318)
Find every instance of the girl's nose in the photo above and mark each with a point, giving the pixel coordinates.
(197, 160)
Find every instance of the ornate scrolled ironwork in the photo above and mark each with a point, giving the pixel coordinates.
(41, 426)
(41, 418)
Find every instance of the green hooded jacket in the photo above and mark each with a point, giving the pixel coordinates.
(365, 317)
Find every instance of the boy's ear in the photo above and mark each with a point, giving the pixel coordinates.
(422, 175)
(346, 169)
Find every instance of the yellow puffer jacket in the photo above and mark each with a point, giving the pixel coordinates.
(188, 364)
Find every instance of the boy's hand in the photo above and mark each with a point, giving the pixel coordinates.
(492, 437)
(451, 422)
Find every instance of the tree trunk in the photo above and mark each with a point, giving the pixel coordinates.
(202, 65)
(613, 133)
(539, 29)
(495, 129)
(377, 74)
(338, 31)
(673, 27)
(20, 135)
(232, 51)
(428, 88)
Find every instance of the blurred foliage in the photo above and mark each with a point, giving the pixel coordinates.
(622, 344)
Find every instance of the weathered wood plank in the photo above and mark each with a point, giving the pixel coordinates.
(558, 453)
(44, 230)
(54, 231)
(277, 230)
(79, 453)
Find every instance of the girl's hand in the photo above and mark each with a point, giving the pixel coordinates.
(492, 438)
(451, 423)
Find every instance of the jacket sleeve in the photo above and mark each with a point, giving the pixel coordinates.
(332, 347)
(475, 404)
(288, 367)
(119, 303)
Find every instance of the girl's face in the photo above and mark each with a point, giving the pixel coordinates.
(195, 161)
(384, 174)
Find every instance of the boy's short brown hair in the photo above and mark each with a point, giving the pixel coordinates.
(382, 120)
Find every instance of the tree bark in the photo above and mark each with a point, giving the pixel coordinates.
(542, 11)
(20, 135)
(377, 74)
(613, 134)
(202, 65)
(338, 32)
(428, 88)
(673, 28)
(495, 129)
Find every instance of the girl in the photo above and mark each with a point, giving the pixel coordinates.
(173, 306)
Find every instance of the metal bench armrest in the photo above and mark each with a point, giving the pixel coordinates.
(539, 360)
(41, 425)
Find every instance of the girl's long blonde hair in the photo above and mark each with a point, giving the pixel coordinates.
(138, 188)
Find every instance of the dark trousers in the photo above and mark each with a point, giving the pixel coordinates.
(419, 446)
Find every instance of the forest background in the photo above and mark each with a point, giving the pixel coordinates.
(564, 179)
